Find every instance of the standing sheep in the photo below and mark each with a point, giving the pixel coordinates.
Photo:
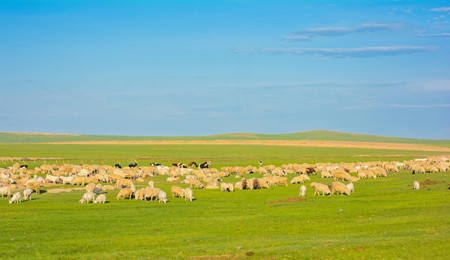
(416, 185)
(350, 187)
(188, 195)
(302, 191)
(5, 191)
(16, 198)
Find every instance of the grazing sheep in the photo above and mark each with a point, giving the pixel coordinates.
(5, 191)
(66, 180)
(263, 182)
(139, 194)
(339, 187)
(302, 191)
(50, 178)
(188, 195)
(107, 187)
(90, 187)
(300, 179)
(16, 198)
(340, 175)
(212, 186)
(196, 183)
(27, 194)
(226, 187)
(100, 199)
(416, 185)
(151, 193)
(172, 179)
(126, 192)
(238, 185)
(78, 180)
(361, 175)
(87, 197)
(351, 187)
(326, 174)
(176, 191)
(34, 186)
(319, 187)
(162, 197)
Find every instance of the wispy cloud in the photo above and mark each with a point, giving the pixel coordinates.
(440, 9)
(345, 52)
(308, 34)
(436, 35)
(420, 106)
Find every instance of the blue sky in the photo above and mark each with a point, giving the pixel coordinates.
(208, 67)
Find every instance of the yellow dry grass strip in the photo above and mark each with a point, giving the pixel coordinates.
(313, 143)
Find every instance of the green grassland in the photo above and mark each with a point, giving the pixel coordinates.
(6, 137)
(383, 219)
(220, 155)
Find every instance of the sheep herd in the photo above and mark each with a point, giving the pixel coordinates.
(99, 179)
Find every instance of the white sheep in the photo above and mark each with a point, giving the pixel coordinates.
(5, 191)
(100, 199)
(66, 180)
(88, 196)
(416, 185)
(162, 197)
(350, 187)
(16, 198)
(188, 194)
(302, 191)
(27, 194)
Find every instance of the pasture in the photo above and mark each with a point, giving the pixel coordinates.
(384, 218)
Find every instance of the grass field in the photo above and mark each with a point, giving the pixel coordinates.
(220, 155)
(6, 137)
(384, 219)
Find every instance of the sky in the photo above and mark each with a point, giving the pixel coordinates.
(165, 68)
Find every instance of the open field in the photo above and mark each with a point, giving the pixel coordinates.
(220, 155)
(384, 219)
(318, 135)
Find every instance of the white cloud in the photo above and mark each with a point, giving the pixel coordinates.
(436, 35)
(420, 106)
(440, 9)
(343, 52)
(310, 33)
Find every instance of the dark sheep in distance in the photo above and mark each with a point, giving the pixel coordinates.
(193, 164)
(205, 165)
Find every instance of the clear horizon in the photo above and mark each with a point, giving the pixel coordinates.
(194, 68)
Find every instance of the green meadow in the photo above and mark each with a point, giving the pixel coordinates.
(383, 219)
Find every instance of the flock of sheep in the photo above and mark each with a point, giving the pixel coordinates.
(99, 179)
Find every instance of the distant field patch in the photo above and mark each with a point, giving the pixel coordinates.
(312, 143)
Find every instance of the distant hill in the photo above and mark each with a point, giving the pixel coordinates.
(324, 135)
